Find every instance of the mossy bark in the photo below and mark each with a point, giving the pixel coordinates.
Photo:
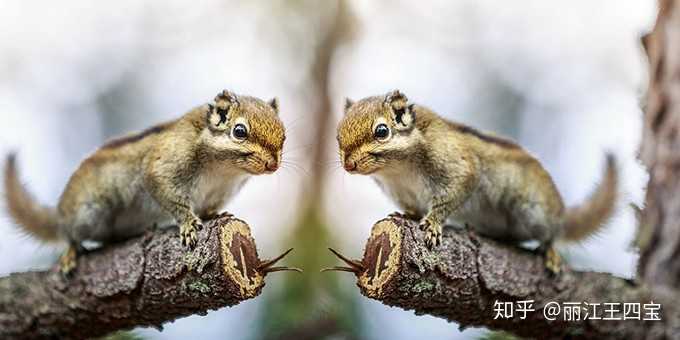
(463, 279)
(145, 281)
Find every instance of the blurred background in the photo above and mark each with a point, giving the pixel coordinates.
(564, 78)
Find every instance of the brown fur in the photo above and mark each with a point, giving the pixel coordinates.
(485, 137)
(585, 220)
(441, 170)
(118, 142)
(38, 220)
(174, 172)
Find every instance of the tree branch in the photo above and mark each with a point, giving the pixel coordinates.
(145, 281)
(462, 280)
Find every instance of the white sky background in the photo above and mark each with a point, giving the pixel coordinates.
(574, 68)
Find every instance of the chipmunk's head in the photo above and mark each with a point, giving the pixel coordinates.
(376, 131)
(246, 131)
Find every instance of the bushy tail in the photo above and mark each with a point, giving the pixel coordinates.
(36, 220)
(586, 219)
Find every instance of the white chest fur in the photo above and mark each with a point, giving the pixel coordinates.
(406, 188)
(215, 186)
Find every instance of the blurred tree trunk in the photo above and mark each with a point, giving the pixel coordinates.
(314, 306)
(659, 237)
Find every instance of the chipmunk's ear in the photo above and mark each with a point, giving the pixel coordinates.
(274, 103)
(402, 113)
(219, 113)
(348, 104)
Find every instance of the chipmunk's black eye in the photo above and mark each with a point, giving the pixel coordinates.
(240, 131)
(381, 132)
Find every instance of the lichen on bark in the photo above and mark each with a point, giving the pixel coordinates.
(145, 281)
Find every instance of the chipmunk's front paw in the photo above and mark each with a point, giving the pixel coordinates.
(224, 214)
(187, 233)
(395, 214)
(213, 215)
(433, 232)
(409, 215)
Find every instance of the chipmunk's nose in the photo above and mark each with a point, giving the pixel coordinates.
(271, 165)
(350, 165)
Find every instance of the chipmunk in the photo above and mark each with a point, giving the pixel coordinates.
(179, 172)
(439, 171)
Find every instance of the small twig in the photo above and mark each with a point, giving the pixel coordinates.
(355, 266)
(268, 266)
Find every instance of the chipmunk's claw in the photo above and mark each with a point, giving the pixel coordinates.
(553, 261)
(188, 235)
(68, 261)
(406, 215)
(433, 233)
(395, 214)
(213, 215)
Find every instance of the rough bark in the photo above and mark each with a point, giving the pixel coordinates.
(462, 280)
(659, 237)
(145, 281)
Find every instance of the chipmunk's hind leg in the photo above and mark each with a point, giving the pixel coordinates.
(69, 259)
(533, 222)
(553, 260)
(90, 223)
